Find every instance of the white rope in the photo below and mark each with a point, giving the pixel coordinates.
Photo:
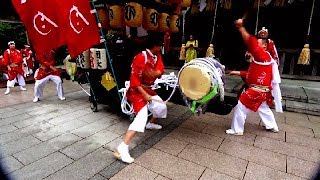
(171, 80)
(168, 80)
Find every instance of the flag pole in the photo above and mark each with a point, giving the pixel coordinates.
(105, 45)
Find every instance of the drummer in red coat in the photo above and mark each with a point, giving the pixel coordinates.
(271, 48)
(28, 60)
(12, 58)
(263, 80)
(3, 68)
(45, 73)
(147, 66)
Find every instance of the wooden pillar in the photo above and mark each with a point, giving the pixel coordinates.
(291, 65)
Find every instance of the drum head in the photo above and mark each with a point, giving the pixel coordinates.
(195, 82)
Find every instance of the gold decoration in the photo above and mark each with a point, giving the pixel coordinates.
(182, 56)
(304, 57)
(210, 51)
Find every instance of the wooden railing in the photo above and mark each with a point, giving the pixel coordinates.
(290, 69)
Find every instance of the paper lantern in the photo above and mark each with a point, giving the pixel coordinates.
(150, 19)
(133, 14)
(164, 22)
(83, 60)
(104, 18)
(116, 16)
(98, 58)
(174, 23)
(185, 3)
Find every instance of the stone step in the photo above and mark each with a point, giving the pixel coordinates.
(302, 107)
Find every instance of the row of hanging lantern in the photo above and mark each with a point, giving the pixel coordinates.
(133, 14)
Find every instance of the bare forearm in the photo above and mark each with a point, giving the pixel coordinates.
(142, 91)
(244, 33)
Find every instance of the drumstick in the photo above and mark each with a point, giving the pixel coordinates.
(245, 15)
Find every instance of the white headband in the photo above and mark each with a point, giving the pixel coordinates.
(11, 42)
(263, 29)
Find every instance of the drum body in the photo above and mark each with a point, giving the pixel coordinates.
(201, 82)
(196, 81)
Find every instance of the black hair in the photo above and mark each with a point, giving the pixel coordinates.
(154, 39)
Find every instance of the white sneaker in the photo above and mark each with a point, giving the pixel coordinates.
(275, 130)
(22, 88)
(231, 132)
(153, 126)
(122, 153)
(36, 99)
(7, 92)
(62, 98)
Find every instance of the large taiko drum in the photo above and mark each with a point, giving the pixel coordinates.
(201, 79)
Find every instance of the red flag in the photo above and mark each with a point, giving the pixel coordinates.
(42, 22)
(82, 31)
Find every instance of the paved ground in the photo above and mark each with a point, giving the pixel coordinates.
(58, 140)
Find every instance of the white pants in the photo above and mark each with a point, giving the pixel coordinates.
(40, 84)
(13, 82)
(5, 76)
(240, 115)
(158, 108)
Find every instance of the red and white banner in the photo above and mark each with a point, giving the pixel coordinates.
(43, 24)
(82, 31)
(53, 23)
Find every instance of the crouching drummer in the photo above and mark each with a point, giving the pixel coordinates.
(45, 73)
(147, 66)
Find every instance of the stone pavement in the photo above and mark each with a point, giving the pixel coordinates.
(56, 139)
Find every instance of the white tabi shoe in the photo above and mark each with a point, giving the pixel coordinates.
(7, 92)
(122, 153)
(36, 99)
(231, 132)
(275, 130)
(62, 98)
(153, 126)
(22, 88)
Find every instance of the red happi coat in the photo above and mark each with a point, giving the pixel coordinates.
(138, 78)
(257, 74)
(11, 56)
(3, 68)
(46, 61)
(28, 53)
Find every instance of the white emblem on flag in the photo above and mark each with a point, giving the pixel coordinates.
(43, 18)
(78, 14)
